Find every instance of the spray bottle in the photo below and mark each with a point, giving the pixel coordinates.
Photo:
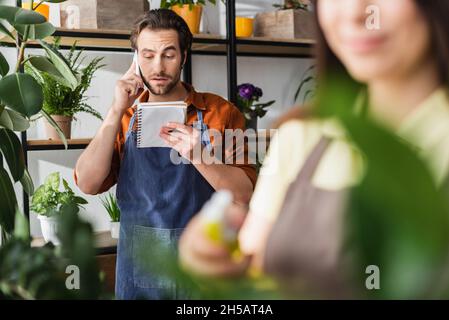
(216, 227)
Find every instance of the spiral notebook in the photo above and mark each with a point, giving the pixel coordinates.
(152, 116)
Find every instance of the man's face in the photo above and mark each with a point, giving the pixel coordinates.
(159, 57)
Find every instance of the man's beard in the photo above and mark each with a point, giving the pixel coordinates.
(166, 89)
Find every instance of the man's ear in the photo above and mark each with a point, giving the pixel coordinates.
(185, 59)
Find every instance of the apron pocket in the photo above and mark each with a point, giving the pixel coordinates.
(154, 255)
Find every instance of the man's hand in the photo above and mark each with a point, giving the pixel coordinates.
(184, 139)
(200, 255)
(127, 89)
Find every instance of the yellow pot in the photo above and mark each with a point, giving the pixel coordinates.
(243, 27)
(191, 17)
(43, 9)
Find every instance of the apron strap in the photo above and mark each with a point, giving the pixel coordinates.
(313, 160)
(205, 139)
(131, 124)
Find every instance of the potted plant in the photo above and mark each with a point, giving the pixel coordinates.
(22, 27)
(247, 95)
(49, 202)
(293, 4)
(110, 204)
(61, 100)
(189, 10)
(307, 86)
(293, 20)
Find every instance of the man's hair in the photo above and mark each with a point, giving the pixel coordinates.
(163, 19)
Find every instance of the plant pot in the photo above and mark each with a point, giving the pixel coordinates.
(64, 122)
(115, 229)
(101, 14)
(191, 17)
(43, 9)
(243, 27)
(285, 24)
(49, 226)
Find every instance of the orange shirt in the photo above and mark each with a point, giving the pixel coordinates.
(218, 114)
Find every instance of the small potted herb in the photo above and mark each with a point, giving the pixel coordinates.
(61, 101)
(49, 201)
(111, 206)
(247, 95)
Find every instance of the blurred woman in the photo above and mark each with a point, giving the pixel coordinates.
(403, 67)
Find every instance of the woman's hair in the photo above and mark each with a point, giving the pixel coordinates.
(435, 13)
(332, 75)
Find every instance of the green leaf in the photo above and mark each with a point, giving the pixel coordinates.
(8, 202)
(22, 93)
(4, 30)
(9, 13)
(55, 125)
(399, 219)
(27, 183)
(36, 31)
(19, 122)
(22, 227)
(12, 120)
(53, 180)
(12, 150)
(5, 120)
(38, 198)
(61, 64)
(79, 200)
(43, 64)
(28, 17)
(4, 66)
(302, 84)
(65, 184)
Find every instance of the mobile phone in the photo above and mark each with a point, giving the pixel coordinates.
(137, 71)
(136, 63)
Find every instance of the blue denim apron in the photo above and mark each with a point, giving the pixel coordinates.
(157, 198)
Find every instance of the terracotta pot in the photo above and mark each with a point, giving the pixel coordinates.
(64, 122)
(191, 17)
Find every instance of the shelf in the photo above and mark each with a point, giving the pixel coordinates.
(72, 144)
(79, 144)
(104, 243)
(203, 44)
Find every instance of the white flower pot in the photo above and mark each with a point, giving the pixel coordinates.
(49, 227)
(115, 229)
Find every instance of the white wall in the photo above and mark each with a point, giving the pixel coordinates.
(278, 78)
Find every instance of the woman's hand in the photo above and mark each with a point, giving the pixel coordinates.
(204, 257)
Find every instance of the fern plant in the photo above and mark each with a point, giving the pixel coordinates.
(60, 99)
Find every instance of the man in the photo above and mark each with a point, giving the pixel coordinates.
(156, 195)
